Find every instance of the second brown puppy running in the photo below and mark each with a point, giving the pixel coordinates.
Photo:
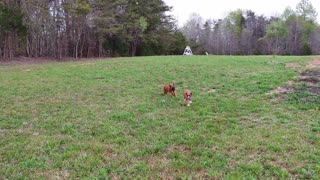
(187, 97)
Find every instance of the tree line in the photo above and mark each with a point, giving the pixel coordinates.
(87, 28)
(99, 28)
(241, 32)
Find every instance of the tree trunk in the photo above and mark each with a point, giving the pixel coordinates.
(9, 46)
(100, 47)
(28, 48)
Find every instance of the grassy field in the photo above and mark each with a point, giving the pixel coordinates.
(107, 118)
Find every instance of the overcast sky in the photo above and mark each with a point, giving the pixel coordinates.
(216, 9)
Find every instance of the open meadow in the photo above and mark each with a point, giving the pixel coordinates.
(252, 117)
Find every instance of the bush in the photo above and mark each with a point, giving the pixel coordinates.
(306, 49)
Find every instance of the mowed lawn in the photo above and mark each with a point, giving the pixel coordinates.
(108, 118)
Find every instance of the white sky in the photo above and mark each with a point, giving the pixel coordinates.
(217, 9)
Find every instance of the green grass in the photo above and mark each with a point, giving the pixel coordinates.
(107, 118)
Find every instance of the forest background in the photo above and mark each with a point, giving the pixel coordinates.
(110, 28)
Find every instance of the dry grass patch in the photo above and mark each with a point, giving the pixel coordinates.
(156, 161)
(293, 65)
(179, 148)
(303, 90)
(281, 90)
(314, 63)
(212, 91)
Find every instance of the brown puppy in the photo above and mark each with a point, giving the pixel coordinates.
(169, 88)
(187, 97)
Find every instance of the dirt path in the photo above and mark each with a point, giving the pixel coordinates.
(314, 63)
(310, 76)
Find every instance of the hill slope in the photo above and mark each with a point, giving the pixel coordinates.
(108, 118)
